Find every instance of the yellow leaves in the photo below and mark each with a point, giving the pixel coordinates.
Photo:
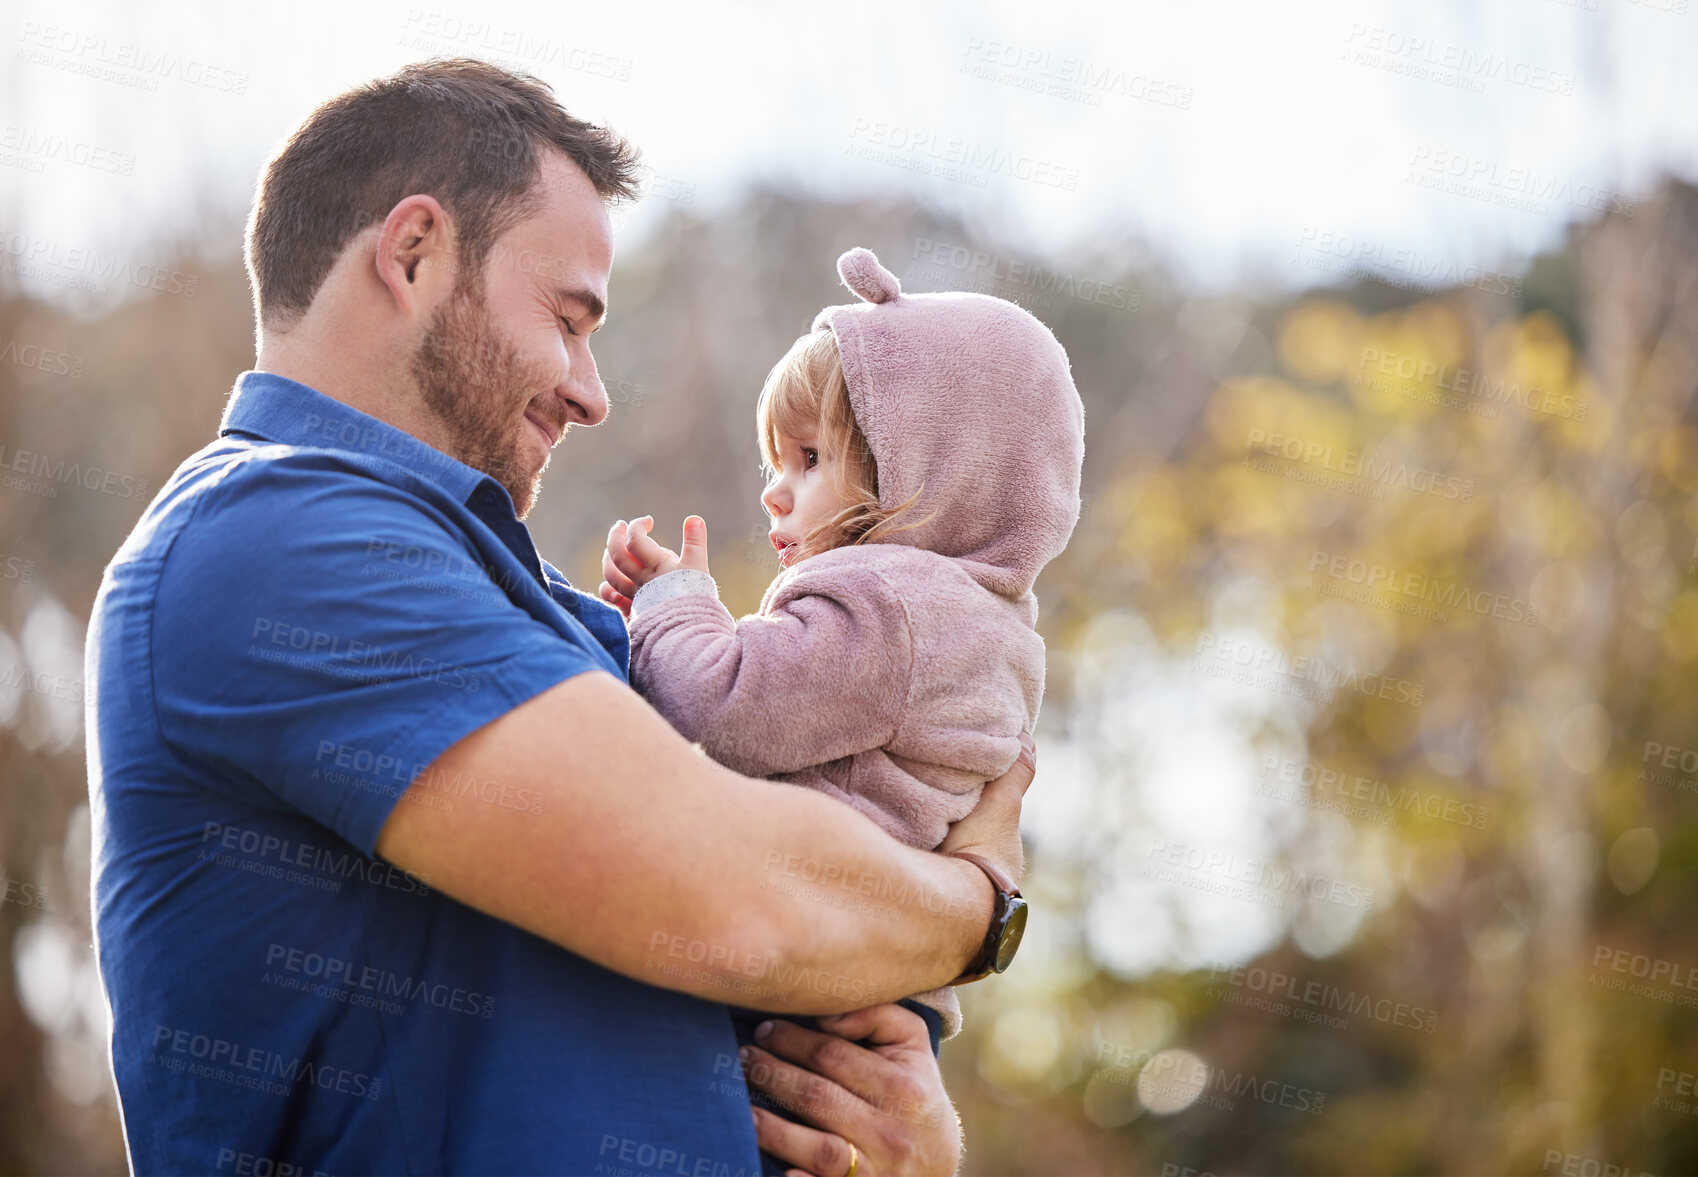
(1533, 350)
(1433, 869)
(1412, 361)
(1320, 341)
(1533, 359)
(1391, 730)
(1440, 530)
(1618, 792)
(1675, 456)
(1641, 535)
(1323, 340)
(1559, 589)
(1150, 516)
(1511, 751)
(1549, 516)
(1682, 632)
(1446, 335)
(1583, 422)
(1247, 503)
(1241, 408)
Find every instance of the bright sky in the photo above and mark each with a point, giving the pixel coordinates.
(1241, 139)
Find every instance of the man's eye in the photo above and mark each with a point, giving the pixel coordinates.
(810, 458)
(566, 323)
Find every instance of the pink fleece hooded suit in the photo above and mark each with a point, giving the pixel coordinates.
(897, 676)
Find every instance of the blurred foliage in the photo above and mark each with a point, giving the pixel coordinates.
(1206, 534)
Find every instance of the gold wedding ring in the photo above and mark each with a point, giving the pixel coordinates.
(854, 1159)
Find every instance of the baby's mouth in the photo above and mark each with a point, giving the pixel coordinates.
(786, 549)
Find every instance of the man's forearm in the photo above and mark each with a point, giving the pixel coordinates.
(651, 860)
(852, 917)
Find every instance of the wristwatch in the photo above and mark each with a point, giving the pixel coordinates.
(1007, 925)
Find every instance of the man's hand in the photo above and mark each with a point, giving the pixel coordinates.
(992, 830)
(633, 558)
(871, 1080)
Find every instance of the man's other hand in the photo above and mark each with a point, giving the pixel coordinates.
(869, 1078)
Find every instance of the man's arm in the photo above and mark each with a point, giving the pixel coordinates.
(651, 860)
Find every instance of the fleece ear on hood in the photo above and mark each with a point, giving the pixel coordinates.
(967, 402)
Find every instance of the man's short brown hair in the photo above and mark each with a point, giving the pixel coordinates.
(466, 132)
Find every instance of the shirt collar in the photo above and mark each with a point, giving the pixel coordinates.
(281, 410)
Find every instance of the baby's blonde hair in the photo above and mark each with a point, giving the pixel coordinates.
(805, 393)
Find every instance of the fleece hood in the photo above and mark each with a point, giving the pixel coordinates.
(966, 400)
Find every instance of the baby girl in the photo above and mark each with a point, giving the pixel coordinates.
(923, 455)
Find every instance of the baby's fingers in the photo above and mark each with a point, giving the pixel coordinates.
(617, 574)
(641, 544)
(622, 559)
(693, 553)
(616, 580)
(615, 598)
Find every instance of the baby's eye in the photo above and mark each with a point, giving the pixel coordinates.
(810, 458)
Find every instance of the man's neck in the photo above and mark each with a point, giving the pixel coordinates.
(345, 371)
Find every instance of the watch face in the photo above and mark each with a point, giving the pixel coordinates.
(1009, 942)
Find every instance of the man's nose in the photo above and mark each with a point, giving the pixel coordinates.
(586, 401)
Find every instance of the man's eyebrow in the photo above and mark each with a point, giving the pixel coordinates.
(588, 299)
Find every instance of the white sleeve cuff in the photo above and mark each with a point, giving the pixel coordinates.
(686, 582)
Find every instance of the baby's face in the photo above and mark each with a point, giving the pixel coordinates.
(799, 496)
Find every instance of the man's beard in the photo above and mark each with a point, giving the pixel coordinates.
(479, 386)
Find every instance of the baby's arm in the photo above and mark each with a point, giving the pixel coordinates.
(823, 676)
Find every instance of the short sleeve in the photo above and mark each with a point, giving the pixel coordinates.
(324, 636)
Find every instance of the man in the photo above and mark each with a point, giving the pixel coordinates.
(394, 874)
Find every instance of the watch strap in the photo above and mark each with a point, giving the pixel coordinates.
(998, 877)
(981, 966)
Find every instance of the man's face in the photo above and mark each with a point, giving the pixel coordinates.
(505, 363)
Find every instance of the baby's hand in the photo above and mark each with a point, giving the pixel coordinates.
(633, 558)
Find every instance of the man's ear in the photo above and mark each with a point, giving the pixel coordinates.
(416, 254)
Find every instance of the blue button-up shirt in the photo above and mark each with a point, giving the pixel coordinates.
(313, 609)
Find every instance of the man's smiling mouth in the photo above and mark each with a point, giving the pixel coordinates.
(549, 434)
